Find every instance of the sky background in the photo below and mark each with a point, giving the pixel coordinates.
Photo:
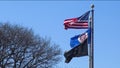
(46, 19)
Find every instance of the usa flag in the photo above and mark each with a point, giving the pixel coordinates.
(77, 23)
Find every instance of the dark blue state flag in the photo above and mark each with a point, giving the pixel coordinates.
(79, 39)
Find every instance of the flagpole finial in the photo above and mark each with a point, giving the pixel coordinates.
(92, 6)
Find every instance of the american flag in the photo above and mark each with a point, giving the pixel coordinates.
(77, 23)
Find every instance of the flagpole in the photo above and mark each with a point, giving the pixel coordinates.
(91, 55)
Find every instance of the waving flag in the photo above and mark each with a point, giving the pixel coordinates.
(79, 39)
(78, 51)
(77, 23)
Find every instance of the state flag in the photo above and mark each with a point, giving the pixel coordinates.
(79, 39)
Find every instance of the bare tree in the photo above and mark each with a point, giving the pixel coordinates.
(20, 48)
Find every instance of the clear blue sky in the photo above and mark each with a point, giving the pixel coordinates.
(46, 19)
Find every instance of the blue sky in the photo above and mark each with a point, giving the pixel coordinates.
(46, 19)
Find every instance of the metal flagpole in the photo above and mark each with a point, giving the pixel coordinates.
(91, 55)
